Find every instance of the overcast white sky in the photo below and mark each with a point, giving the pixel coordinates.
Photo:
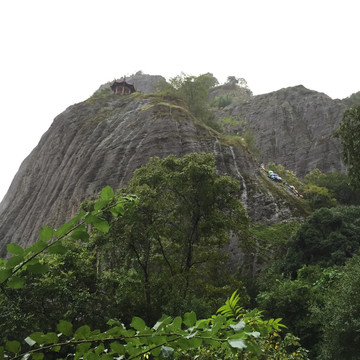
(57, 53)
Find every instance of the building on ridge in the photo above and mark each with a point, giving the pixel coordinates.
(122, 87)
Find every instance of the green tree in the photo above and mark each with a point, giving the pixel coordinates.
(340, 316)
(272, 240)
(353, 99)
(318, 197)
(71, 289)
(174, 238)
(222, 101)
(313, 177)
(301, 302)
(328, 237)
(195, 91)
(349, 132)
(251, 143)
(338, 185)
(233, 82)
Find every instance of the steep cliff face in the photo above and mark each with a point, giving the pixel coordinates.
(293, 127)
(101, 142)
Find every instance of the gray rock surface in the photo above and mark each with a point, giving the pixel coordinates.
(293, 127)
(101, 142)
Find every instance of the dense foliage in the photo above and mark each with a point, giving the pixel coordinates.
(349, 132)
(328, 237)
(307, 284)
(339, 317)
(172, 242)
(165, 242)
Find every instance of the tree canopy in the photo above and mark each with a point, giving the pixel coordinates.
(349, 132)
(328, 237)
(174, 238)
(161, 248)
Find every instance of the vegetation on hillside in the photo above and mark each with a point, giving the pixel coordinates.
(85, 288)
(104, 279)
(349, 133)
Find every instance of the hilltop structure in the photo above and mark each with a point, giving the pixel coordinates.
(122, 87)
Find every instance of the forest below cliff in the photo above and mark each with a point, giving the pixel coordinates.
(145, 271)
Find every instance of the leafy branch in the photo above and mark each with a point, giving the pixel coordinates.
(50, 239)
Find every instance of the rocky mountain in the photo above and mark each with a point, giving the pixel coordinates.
(292, 127)
(102, 140)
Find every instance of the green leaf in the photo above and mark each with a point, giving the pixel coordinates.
(46, 233)
(184, 344)
(4, 275)
(113, 322)
(57, 248)
(56, 348)
(64, 229)
(107, 193)
(82, 333)
(218, 323)
(117, 348)
(81, 349)
(38, 246)
(190, 319)
(78, 216)
(13, 346)
(202, 324)
(15, 282)
(176, 324)
(38, 337)
(91, 356)
(13, 261)
(14, 249)
(212, 342)
(102, 226)
(158, 339)
(156, 352)
(101, 204)
(80, 235)
(195, 342)
(138, 323)
(38, 268)
(50, 338)
(37, 356)
(119, 209)
(99, 223)
(254, 348)
(65, 327)
(99, 349)
(237, 343)
(119, 331)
